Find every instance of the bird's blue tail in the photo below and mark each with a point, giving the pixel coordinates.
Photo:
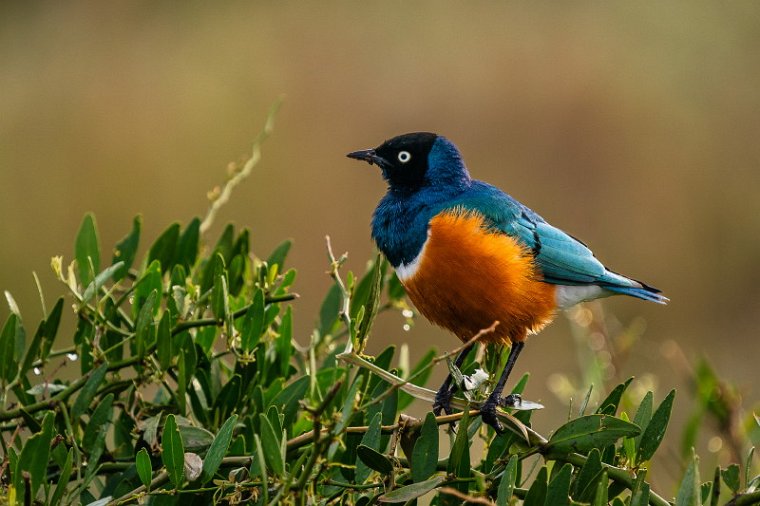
(642, 292)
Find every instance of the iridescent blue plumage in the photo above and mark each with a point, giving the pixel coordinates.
(400, 223)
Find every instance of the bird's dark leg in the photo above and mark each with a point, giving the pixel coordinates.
(488, 409)
(446, 392)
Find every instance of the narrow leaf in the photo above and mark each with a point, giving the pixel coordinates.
(587, 432)
(218, 449)
(63, 479)
(164, 247)
(172, 452)
(374, 459)
(413, 491)
(425, 452)
(87, 394)
(144, 467)
(507, 483)
(609, 405)
(279, 254)
(271, 442)
(371, 439)
(87, 250)
(656, 428)
(600, 498)
(126, 250)
(689, 493)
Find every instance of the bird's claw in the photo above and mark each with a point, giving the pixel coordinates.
(443, 402)
(488, 415)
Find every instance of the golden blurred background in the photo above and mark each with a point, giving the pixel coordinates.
(633, 126)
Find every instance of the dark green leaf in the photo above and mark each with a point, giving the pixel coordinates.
(425, 453)
(655, 430)
(219, 293)
(9, 365)
(587, 432)
(371, 439)
(126, 250)
(63, 479)
(253, 323)
(609, 405)
(507, 483)
(600, 497)
(271, 443)
(374, 280)
(144, 468)
(279, 254)
(145, 327)
(195, 439)
(228, 397)
(643, 416)
(51, 328)
(731, 477)
(187, 247)
(289, 397)
(34, 456)
(87, 394)
(374, 459)
(459, 460)
(689, 493)
(164, 341)
(164, 248)
(87, 250)
(558, 492)
(714, 488)
(100, 421)
(584, 486)
(172, 452)
(284, 342)
(640, 497)
(218, 449)
(328, 313)
(536, 495)
(149, 282)
(413, 491)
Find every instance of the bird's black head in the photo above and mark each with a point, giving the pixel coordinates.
(404, 160)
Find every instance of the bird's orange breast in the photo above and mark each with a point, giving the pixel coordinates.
(466, 277)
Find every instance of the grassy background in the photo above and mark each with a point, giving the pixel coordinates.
(634, 127)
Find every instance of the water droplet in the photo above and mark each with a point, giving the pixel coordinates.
(407, 327)
(37, 371)
(72, 356)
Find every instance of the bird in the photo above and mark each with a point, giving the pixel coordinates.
(470, 255)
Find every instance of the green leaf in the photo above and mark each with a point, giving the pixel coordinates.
(689, 493)
(558, 493)
(63, 479)
(272, 443)
(253, 323)
(187, 247)
(284, 342)
(374, 280)
(584, 486)
(172, 452)
(425, 452)
(87, 394)
(640, 497)
(164, 247)
(126, 250)
(507, 483)
(218, 449)
(656, 428)
(587, 432)
(374, 459)
(145, 327)
(371, 439)
(144, 467)
(51, 328)
(413, 491)
(100, 421)
(289, 397)
(164, 342)
(731, 477)
(328, 313)
(609, 405)
(536, 495)
(643, 415)
(87, 250)
(459, 459)
(99, 281)
(9, 365)
(279, 254)
(35, 454)
(395, 288)
(600, 498)
(149, 282)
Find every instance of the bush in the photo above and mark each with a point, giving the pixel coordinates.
(193, 390)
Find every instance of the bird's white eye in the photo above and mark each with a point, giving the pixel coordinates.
(404, 156)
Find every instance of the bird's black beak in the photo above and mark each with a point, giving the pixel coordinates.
(368, 155)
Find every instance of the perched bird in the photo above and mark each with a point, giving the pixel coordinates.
(469, 255)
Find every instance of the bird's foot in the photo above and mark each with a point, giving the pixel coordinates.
(443, 401)
(510, 401)
(488, 414)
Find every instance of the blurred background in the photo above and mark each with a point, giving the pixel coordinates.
(632, 126)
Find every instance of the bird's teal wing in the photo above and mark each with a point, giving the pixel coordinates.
(562, 259)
